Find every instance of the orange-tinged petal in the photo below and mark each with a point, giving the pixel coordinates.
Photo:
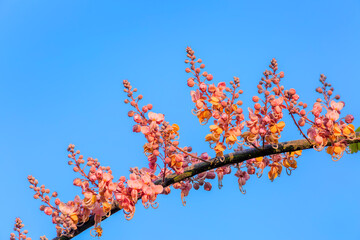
(175, 127)
(208, 137)
(204, 116)
(273, 129)
(213, 127)
(74, 218)
(219, 148)
(297, 153)
(281, 125)
(216, 129)
(106, 207)
(349, 129)
(231, 139)
(290, 163)
(338, 149)
(279, 169)
(179, 164)
(272, 174)
(286, 163)
(219, 130)
(214, 99)
(337, 131)
(330, 150)
(215, 137)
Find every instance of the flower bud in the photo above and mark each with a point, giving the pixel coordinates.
(255, 98)
(77, 182)
(145, 109)
(48, 211)
(166, 190)
(207, 186)
(349, 118)
(292, 91)
(203, 87)
(210, 175)
(301, 122)
(190, 82)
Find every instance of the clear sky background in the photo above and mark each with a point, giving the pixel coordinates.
(61, 69)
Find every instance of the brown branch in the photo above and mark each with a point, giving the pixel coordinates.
(236, 157)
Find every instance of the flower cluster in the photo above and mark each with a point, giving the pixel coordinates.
(217, 102)
(100, 194)
(265, 125)
(220, 103)
(17, 228)
(21, 235)
(197, 181)
(265, 120)
(327, 126)
(139, 186)
(160, 135)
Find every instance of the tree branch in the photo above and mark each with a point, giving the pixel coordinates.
(231, 158)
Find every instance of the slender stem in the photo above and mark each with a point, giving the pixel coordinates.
(191, 155)
(292, 116)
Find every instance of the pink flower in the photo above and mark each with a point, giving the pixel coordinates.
(196, 98)
(221, 86)
(99, 173)
(243, 177)
(145, 130)
(203, 87)
(212, 88)
(98, 212)
(77, 182)
(317, 108)
(107, 177)
(332, 115)
(137, 118)
(337, 106)
(48, 211)
(156, 117)
(135, 184)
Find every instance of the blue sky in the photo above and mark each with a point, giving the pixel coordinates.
(61, 69)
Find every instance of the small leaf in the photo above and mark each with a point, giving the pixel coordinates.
(355, 147)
